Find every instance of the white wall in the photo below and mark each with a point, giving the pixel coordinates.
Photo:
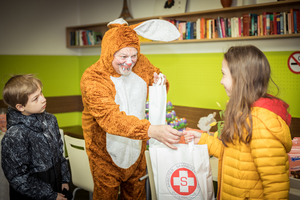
(36, 27)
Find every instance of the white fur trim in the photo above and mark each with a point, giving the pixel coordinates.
(118, 21)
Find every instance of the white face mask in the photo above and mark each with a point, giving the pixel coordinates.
(124, 60)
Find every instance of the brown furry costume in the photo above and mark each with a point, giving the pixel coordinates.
(103, 117)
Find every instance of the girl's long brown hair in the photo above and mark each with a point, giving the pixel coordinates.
(250, 72)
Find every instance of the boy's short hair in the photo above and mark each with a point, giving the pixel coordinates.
(18, 88)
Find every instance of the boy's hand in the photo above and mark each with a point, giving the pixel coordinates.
(189, 135)
(60, 197)
(65, 185)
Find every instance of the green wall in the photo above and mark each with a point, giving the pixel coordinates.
(194, 78)
(59, 75)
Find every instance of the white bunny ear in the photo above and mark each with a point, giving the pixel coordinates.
(157, 29)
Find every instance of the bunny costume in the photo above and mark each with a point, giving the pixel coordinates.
(113, 121)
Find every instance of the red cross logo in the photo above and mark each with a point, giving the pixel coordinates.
(183, 181)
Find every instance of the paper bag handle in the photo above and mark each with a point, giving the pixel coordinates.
(191, 145)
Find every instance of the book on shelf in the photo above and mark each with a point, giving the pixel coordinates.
(292, 20)
(183, 29)
(296, 20)
(194, 31)
(223, 27)
(215, 34)
(229, 29)
(249, 24)
(253, 24)
(274, 23)
(246, 24)
(258, 25)
(261, 18)
(219, 27)
(282, 23)
(198, 22)
(85, 37)
(278, 23)
(240, 19)
(188, 31)
(289, 23)
(208, 27)
(265, 22)
(72, 38)
(202, 28)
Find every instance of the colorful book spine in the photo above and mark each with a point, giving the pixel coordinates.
(242, 34)
(232, 27)
(289, 23)
(298, 20)
(278, 24)
(246, 24)
(268, 24)
(284, 22)
(292, 20)
(281, 24)
(202, 28)
(229, 29)
(261, 25)
(295, 21)
(188, 31)
(258, 25)
(198, 28)
(219, 27)
(223, 27)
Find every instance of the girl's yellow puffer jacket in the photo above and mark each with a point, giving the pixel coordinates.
(259, 170)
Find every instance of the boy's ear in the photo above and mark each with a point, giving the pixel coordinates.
(20, 107)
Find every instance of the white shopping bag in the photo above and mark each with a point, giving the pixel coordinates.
(157, 105)
(184, 173)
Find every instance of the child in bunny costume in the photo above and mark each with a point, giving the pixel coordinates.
(114, 93)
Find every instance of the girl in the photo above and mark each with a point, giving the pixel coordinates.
(255, 140)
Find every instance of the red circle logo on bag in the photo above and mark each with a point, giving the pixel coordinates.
(182, 182)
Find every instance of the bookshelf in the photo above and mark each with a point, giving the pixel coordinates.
(280, 6)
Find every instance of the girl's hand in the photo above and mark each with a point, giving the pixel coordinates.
(189, 135)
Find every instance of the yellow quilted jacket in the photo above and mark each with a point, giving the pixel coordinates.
(259, 170)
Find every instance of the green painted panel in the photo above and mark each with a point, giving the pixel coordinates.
(195, 79)
(85, 62)
(59, 74)
(68, 119)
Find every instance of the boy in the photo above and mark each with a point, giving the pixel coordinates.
(32, 149)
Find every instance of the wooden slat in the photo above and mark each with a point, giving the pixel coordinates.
(60, 104)
(295, 127)
(65, 104)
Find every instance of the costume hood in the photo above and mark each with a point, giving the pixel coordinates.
(120, 35)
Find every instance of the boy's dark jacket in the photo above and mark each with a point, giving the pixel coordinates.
(32, 156)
